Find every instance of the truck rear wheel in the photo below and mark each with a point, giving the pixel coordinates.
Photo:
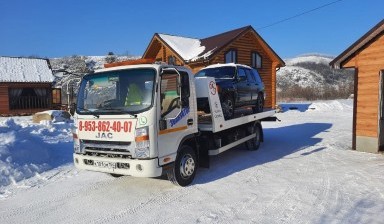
(184, 170)
(116, 175)
(254, 143)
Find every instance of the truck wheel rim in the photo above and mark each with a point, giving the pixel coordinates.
(187, 166)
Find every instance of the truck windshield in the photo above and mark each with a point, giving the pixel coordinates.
(226, 72)
(123, 91)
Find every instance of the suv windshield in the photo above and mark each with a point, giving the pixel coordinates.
(122, 91)
(227, 72)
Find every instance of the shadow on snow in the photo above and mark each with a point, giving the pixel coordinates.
(278, 143)
(302, 107)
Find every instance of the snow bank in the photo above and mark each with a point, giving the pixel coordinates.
(27, 149)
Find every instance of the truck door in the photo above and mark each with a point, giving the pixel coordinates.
(177, 118)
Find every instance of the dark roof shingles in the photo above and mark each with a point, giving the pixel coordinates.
(218, 41)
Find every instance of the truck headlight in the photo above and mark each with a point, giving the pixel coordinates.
(78, 146)
(142, 143)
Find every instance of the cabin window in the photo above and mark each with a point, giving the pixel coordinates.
(56, 96)
(231, 56)
(256, 60)
(171, 60)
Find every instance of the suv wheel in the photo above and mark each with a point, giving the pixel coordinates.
(259, 107)
(228, 106)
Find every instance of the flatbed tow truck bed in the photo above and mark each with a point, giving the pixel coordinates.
(221, 134)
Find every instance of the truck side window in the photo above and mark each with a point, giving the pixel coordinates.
(170, 96)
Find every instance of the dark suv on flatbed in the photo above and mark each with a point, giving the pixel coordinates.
(238, 85)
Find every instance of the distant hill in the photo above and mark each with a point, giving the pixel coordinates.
(85, 64)
(310, 77)
(79, 65)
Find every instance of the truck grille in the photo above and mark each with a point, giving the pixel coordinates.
(106, 142)
(107, 149)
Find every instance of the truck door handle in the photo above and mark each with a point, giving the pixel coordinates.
(190, 121)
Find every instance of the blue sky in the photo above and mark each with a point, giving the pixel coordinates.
(53, 28)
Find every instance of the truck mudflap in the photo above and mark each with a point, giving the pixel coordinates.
(129, 167)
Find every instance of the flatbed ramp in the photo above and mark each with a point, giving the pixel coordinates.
(206, 123)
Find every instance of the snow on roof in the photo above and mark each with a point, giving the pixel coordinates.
(187, 48)
(25, 70)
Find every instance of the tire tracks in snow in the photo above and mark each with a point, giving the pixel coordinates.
(230, 213)
(32, 208)
(169, 196)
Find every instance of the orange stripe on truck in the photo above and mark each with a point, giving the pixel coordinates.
(171, 130)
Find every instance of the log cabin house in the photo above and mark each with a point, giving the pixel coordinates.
(243, 46)
(26, 86)
(366, 56)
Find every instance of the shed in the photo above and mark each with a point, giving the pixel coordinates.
(243, 45)
(366, 56)
(26, 86)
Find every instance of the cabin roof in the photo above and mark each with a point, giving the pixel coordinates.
(193, 49)
(358, 45)
(17, 69)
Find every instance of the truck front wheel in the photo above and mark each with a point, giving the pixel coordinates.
(184, 169)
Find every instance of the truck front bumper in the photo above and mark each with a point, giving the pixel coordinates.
(130, 167)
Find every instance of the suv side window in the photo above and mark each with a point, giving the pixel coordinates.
(256, 75)
(250, 76)
(241, 74)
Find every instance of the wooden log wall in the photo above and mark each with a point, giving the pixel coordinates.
(369, 62)
(4, 99)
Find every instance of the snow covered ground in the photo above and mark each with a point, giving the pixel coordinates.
(304, 172)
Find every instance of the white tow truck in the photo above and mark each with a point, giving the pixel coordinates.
(142, 120)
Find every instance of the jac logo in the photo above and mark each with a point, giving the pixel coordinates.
(103, 135)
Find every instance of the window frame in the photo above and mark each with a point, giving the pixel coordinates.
(56, 96)
(233, 56)
(254, 62)
(163, 89)
(173, 61)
